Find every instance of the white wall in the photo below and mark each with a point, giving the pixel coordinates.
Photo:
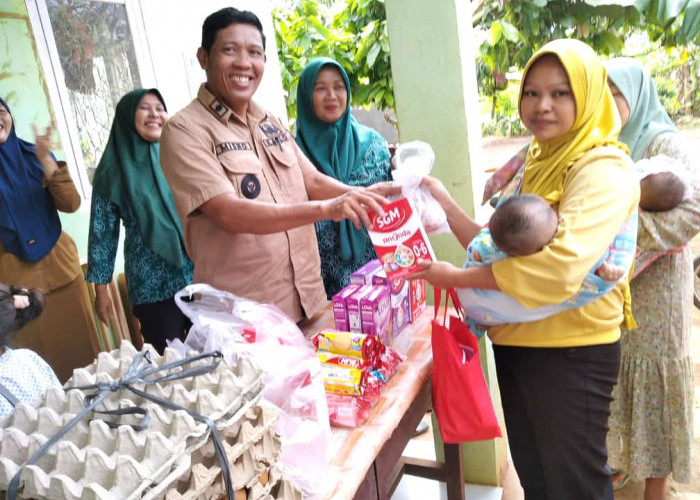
(173, 31)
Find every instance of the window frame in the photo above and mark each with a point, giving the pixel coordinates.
(66, 123)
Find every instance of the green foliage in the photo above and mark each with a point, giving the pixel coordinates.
(501, 113)
(353, 32)
(511, 31)
(675, 71)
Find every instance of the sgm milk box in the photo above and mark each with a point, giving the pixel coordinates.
(340, 309)
(376, 313)
(399, 239)
(417, 293)
(363, 276)
(352, 302)
(400, 302)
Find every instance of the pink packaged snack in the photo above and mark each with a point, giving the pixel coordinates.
(352, 303)
(376, 313)
(363, 276)
(347, 411)
(340, 310)
(400, 302)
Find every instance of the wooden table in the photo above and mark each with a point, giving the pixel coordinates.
(366, 463)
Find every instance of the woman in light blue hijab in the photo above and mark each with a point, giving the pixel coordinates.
(651, 423)
(647, 117)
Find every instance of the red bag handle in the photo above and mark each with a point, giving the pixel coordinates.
(450, 294)
(467, 351)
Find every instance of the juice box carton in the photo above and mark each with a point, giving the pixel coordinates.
(376, 313)
(352, 302)
(340, 309)
(400, 239)
(400, 302)
(417, 293)
(363, 276)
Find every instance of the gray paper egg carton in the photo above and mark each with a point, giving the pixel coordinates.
(217, 395)
(93, 461)
(253, 449)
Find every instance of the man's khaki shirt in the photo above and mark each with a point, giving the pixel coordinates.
(206, 151)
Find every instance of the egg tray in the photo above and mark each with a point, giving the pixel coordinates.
(217, 394)
(252, 447)
(94, 461)
(275, 487)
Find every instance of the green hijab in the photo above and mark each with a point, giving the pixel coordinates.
(335, 148)
(129, 175)
(648, 118)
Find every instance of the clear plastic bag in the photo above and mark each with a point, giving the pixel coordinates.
(413, 161)
(291, 371)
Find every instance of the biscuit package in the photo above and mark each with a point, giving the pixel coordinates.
(400, 239)
(355, 367)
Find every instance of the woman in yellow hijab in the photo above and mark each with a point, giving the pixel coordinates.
(556, 374)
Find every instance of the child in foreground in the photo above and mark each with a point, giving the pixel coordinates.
(523, 225)
(24, 376)
(520, 226)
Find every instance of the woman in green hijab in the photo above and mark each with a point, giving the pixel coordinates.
(651, 422)
(342, 148)
(129, 186)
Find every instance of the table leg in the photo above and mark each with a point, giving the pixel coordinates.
(368, 488)
(454, 473)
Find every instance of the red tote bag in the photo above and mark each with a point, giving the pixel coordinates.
(461, 399)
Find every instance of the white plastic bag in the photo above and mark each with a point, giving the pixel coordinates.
(291, 371)
(413, 161)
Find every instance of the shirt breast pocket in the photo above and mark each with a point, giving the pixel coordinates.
(286, 165)
(246, 176)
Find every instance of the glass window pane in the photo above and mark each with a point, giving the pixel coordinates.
(99, 66)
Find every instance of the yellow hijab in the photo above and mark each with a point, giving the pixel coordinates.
(597, 121)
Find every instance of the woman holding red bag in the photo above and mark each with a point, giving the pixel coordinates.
(556, 374)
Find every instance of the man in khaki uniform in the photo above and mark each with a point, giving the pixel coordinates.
(246, 194)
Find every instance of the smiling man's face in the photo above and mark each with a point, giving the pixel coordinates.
(234, 65)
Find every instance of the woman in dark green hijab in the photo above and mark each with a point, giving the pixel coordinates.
(342, 148)
(129, 186)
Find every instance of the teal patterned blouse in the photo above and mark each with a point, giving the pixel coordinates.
(375, 167)
(149, 277)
